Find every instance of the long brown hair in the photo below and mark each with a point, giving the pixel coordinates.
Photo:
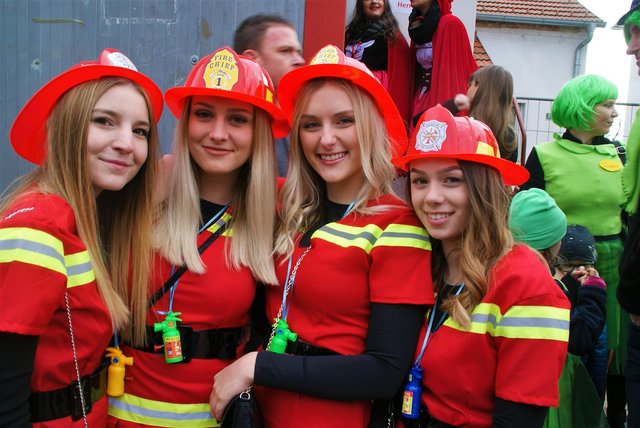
(387, 21)
(491, 104)
(116, 226)
(485, 239)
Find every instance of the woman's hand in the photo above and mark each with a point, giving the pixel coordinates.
(231, 381)
(462, 102)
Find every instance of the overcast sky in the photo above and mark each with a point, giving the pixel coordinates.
(606, 53)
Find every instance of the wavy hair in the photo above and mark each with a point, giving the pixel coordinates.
(304, 191)
(573, 107)
(485, 240)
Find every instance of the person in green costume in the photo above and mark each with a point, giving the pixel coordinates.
(582, 171)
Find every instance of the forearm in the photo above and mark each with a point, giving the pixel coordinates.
(508, 414)
(17, 355)
(376, 374)
(587, 319)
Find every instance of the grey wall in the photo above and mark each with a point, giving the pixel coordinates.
(41, 38)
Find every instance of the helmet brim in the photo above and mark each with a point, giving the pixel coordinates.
(28, 133)
(512, 173)
(175, 99)
(292, 82)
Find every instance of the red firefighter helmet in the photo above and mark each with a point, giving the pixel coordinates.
(29, 130)
(440, 135)
(331, 62)
(226, 74)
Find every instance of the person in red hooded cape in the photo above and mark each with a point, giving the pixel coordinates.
(444, 67)
(373, 37)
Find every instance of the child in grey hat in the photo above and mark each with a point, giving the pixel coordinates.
(576, 259)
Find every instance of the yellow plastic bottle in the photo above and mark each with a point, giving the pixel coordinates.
(115, 373)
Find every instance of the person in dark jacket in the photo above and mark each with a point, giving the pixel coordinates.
(629, 287)
(577, 255)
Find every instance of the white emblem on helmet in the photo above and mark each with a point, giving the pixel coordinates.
(430, 136)
(120, 60)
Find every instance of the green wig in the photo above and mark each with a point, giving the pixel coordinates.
(634, 18)
(574, 105)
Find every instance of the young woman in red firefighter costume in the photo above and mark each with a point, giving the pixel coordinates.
(222, 194)
(353, 261)
(66, 235)
(493, 348)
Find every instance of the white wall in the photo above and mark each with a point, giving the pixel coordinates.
(540, 61)
(634, 82)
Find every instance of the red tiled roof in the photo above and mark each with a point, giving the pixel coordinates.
(565, 10)
(480, 53)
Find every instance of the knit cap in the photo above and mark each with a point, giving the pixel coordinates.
(578, 244)
(536, 220)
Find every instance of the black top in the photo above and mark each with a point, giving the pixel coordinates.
(208, 210)
(375, 35)
(587, 315)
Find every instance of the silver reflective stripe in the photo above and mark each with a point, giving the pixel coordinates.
(79, 269)
(137, 410)
(364, 235)
(386, 234)
(34, 247)
(520, 321)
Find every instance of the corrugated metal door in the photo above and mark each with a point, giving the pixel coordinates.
(164, 38)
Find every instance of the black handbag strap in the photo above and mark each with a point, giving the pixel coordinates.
(178, 273)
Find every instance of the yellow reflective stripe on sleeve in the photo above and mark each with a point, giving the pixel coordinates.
(158, 413)
(371, 235)
(402, 235)
(79, 269)
(520, 322)
(32, 246)
(349, 236)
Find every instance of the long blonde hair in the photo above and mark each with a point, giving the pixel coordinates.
(304, 190)
(111, 225)
(253, 205)
(485, 239)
